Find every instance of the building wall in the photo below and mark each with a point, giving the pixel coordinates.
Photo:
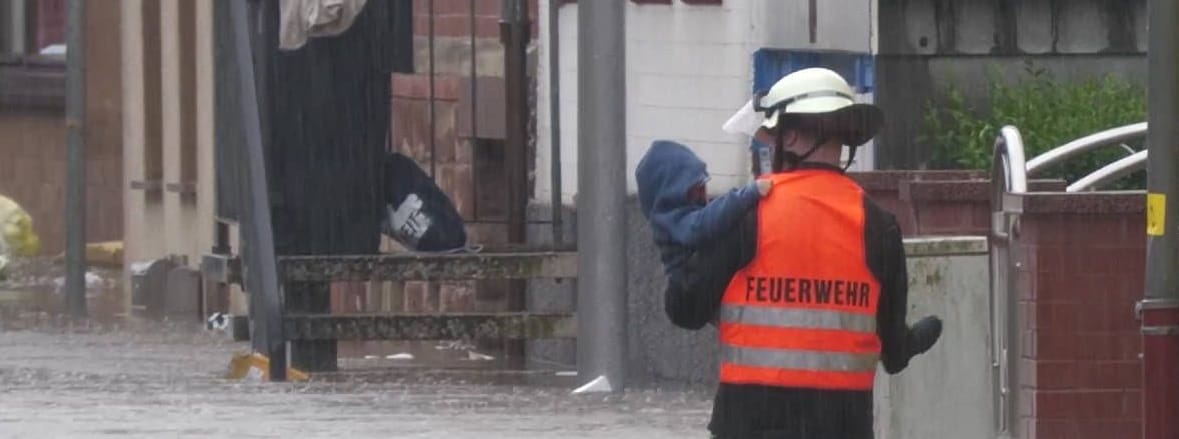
(689, 67)
(33, 146)
(167, 63)
(1081, 259)
(463, 146)
(927, 45)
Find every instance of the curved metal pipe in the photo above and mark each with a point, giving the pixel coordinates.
(1110, 173)
(1008, 175)
(1009, 164)
(1085, 144)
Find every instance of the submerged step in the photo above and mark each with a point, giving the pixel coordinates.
(450, 326)
(425, 267)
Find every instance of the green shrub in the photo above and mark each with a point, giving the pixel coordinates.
(1048, 114)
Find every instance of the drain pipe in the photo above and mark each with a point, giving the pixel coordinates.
(1159, 311)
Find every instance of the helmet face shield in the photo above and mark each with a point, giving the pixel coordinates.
(747, 120)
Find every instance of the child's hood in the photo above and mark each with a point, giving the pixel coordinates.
(665, 175)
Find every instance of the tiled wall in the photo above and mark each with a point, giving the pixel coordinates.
(1080, 373)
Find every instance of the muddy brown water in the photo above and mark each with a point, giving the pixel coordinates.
(166, 382)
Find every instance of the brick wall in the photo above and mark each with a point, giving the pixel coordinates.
(884, 187)
(33, 141)
(1079, 372)
(33, 172)
(464, 157)
(452, 18)
(938, 203)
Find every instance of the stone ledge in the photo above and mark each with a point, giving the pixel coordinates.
(964, 190)
(1082, 203)
(891, 180)
(946, 246)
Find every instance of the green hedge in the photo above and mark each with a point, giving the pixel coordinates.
(1048, 113)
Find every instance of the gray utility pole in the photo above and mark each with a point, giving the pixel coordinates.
(75, 281)
(266, 307)
(601, 186)
(1159, 312)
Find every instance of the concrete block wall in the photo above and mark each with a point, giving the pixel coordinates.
(1083, 257)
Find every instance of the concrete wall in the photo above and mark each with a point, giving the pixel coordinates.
(948, 392)
(168, 130)
(688, 68)
(926, 45)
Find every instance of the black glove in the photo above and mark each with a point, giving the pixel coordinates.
(923, 335)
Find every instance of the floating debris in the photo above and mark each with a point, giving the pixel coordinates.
(475, 356)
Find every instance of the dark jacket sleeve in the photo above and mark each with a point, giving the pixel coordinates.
(886, 257)
(717, 217)
(694, 300)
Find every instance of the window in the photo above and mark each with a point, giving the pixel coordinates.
(32, 29)
(32, 43)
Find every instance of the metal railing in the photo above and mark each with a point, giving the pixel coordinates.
(1009, 176)
(1085, 144)
(1110, 173)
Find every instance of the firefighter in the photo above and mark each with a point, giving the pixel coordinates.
(809, 291)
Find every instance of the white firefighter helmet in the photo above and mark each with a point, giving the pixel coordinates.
(817, 96)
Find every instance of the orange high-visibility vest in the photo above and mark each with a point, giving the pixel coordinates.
(802, 314)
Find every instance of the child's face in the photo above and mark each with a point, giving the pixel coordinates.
(698, 194)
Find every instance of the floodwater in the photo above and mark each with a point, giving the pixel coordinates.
(162, 382)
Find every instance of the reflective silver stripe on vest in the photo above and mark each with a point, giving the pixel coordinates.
(799, 360)
(798, 318)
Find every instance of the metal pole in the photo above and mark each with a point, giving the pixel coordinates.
(555, 118)
(266, 309)
(601, 185)
(1159, 312)
(515, 32)
(75, 282)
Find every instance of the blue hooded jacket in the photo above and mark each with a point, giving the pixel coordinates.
(666, 175)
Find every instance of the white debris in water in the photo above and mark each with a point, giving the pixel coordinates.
(371, 357)
(94, 284)
(138, 268)
(456, 345)
(475, 356)
(598, 385)
(567, 373)
(401, 356)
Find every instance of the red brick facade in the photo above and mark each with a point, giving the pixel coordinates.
(452, 18)
(885, 188)
(1083, 261)
(467, 166)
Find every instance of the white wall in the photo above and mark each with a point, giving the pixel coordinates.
(688, 68)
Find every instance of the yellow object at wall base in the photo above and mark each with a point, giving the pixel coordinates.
(108, 254)
(256, 367)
